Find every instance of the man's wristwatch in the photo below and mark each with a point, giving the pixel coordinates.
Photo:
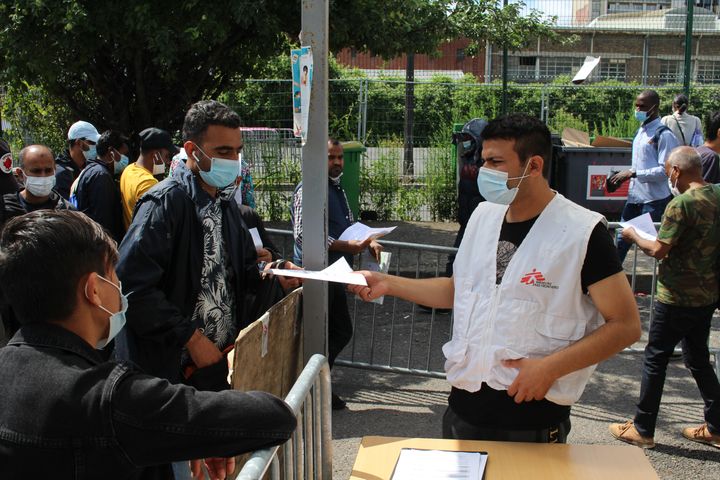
(633, 173)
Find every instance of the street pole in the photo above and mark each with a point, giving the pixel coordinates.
(315, 21)
(504, 75)
(688, 47)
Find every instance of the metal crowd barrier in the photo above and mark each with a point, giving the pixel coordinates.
(308, 454)
(402, 337)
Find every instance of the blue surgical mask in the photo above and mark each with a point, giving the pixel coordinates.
(222, 172)
(117, 320)
(640, 116)
(120, 165)
(493, 185)
(91, 153)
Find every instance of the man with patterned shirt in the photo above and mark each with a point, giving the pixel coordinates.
(687, 292)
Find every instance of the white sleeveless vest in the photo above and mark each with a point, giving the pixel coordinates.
(538, 308)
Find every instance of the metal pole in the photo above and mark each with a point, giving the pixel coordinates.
(504, 107)
(315, 20)
(688, 47)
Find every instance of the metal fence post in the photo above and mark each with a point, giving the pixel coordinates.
(315, 20)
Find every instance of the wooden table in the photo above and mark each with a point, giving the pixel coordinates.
(514, 461)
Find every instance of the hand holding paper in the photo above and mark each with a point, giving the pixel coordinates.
(643, 226)
(361, 232)
(339, 272)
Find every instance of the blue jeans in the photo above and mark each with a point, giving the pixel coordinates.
(671, 325)
(655, 208)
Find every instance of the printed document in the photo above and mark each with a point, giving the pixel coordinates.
(439, 465)
(643, 225)
(256, 238)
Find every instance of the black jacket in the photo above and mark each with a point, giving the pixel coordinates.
(14, 206)
(98, 197)
(66, 171)
(93, 419)
(161, 261)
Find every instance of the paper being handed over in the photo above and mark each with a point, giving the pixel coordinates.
(339, 272)
(360, 231)
(643, 225)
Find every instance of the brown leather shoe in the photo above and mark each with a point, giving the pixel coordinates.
(627, 433)
(701, 434)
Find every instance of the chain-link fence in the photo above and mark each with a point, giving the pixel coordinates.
(396, 185)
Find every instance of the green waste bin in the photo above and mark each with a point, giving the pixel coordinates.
(350, 181)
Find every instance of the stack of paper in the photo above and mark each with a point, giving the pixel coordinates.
(361, 232)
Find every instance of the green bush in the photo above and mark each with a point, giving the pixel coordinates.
(380, 182)
(35, 117)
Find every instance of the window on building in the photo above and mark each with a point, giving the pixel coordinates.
(671, 71)
(708, 71)
(460, 54)
(522, 69)
(551, 67)
(612, 69)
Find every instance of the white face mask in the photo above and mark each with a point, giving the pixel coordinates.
(158, 168)
(117, 319)
(673, 187)
(39, 186)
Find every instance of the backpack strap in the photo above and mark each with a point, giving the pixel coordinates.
(656, 138)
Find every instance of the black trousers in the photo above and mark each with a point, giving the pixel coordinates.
(340, 327)
(689, 326)
(456, 428)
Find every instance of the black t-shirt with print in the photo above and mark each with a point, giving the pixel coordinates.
(495, 408)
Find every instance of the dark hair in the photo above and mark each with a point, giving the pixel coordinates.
(652, 95)
(334, 141)
(43, 256)
(205, 113)
(110, 139)
(532, 137)
(681, 101)
(712, 125)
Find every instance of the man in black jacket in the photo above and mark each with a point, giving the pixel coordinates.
(82, 139)
(95, 419)
(97, 195)
(189, 259)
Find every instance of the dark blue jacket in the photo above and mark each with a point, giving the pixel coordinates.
(67, 414)
(161, 261)
(66, 171)
(98, 196)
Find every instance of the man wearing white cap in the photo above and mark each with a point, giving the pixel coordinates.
(82, 137)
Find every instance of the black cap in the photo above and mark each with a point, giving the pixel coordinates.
(154, 138)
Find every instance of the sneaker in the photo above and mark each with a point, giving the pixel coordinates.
(338, 403)
(627, 433)
(701, 434)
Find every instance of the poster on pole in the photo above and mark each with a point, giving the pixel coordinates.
(301, 61)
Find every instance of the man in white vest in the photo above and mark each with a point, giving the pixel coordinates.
(538, 293)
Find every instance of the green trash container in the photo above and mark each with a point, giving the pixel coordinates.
(350, 181)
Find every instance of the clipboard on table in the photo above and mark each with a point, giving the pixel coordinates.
(422, 464)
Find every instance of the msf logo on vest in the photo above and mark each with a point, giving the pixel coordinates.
(537, 279)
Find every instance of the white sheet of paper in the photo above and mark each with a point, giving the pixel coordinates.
(367, 262)
(256, 238)
(439, 464)
(339, 272)
(586, 69)
(359, 231)
(643, 225)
